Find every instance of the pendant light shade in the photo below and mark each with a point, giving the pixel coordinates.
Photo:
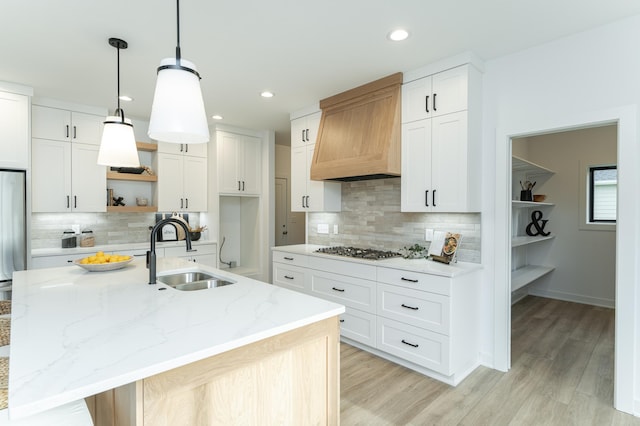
(177, 113)
(118, 144)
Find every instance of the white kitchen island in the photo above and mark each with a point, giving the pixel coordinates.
(155, 355)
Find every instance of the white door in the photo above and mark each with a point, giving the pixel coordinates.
(449, 162)
(169, 186)
(282, 211)
(195, 184)
(315, 188)
(50, 123)
(86, 128)
(251, 165)
(14, 131)
(416, 100)
(299, 178)
(450, 91)
(227, 148)
(50, 176)
(298, 132)
(88, 180)
(415, 187)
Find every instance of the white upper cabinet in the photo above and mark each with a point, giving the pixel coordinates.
(239, 163)
(439, 94)
(182, 183)
(304, 130)
(309, 195)
(441, 142)
(192, 150)
(64, 125)
(14, 130)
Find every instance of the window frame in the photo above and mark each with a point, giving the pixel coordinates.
(590, 198)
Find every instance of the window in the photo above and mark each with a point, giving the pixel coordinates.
(603, 188)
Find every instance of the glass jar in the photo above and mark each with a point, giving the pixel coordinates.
(87, 239)
(68, 238)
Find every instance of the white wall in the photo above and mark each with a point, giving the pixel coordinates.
(296, 220)
(592, 76)
(584, 258)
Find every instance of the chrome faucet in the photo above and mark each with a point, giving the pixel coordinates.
(151, 255)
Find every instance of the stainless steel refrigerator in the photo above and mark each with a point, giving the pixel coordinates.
(13, 227)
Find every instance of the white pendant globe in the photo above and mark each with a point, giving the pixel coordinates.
(118, 144)
(177, 113)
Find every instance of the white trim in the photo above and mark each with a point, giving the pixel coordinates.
(18, 89)
(626, 240)
(570, 297)
(240, 131)
(56, 103)
(443, 65)
(311, 109)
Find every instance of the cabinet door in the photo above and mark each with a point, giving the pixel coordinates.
(315, 188)
(170, 148)
(298, 132)
(415, 186)
(169, 186)
(450, 91)
(50, 123)
(196, 150)
(14, 131)
(251, 157)
(228, 151)
(88, 180)
(299, 178)
(449, 163)
(50, 176)
(313, 125)
(86, 128)
(195, 184)
(416, 100)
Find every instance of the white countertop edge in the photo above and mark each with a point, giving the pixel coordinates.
(57, 400)
(415, 265)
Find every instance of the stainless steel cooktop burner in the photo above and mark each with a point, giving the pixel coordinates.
(362, 253)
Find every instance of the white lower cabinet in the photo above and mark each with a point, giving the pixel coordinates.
(425, 322)
(204, 254)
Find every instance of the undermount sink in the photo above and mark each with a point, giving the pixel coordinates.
(193, 280)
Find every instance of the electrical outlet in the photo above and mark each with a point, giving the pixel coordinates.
(428, 234)
(335, 229)
(323, 228)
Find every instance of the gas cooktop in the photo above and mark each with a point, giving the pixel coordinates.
(361, 253)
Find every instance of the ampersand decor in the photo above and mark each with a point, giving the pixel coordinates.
(538, 223)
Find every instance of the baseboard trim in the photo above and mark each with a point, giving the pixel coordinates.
(570, 297)
(486, 359)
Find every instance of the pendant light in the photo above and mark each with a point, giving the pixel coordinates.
(177, 113)
(118, 144)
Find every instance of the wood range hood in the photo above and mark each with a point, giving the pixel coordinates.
(359, 135)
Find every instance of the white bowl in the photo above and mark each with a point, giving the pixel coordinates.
(103, 266)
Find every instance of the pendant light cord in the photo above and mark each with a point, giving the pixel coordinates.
(119, 111)
(178, 32)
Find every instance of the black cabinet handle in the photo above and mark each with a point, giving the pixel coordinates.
(426, 104)
(434, 101)
(302, 135)
(288, 258)
(341, 320)
(186, 203)
(307, 135)
(410, 344)
(238, 185)
(413, 308)
(68, 202)
(69, 261)
(75, 202)
(181, 147)
(426, 198)
(341, 290)
(75, 133)
(243, 185)
(433, 196)
(181, 203)
(288, 277)
(67, 130)
(409, 279)
(307, 197)
(302, 202)
(186, 147)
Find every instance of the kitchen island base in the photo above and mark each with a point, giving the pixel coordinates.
(291, 379)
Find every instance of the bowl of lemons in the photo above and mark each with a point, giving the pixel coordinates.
(102, 261)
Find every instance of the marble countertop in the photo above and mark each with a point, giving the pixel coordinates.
(425, 266)
(76, 333)
(56, 251)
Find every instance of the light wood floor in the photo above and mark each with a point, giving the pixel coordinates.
(561, 374)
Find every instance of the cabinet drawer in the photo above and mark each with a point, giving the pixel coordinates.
(415, 280)
(417, 308)
(290, 258)
(55, 261)
(342, 267)
(289, 276)
(422, 347)
(181, 250)
(359, 326)
(348, 291)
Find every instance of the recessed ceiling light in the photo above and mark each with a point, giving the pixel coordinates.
(267, 94)
(398, 35)
(216, 117)
(125, 98)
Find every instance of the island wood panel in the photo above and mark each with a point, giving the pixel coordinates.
(289, 379)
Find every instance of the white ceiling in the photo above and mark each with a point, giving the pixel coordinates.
(302, 50)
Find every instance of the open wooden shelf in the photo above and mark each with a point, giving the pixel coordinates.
(131, 176)
(132, 209)
(148, 147)
(525, 275)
